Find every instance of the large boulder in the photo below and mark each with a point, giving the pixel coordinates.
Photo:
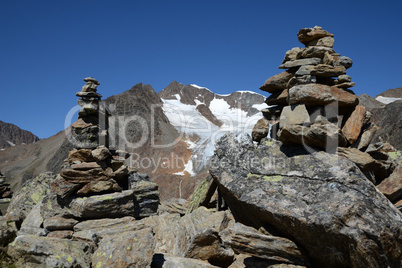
(31, 193)
(127, 249)
(320, 201)
(277, 82)
(321, 95)
(33, 251)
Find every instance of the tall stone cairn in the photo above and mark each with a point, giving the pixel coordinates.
(90, 130)
(311, 104)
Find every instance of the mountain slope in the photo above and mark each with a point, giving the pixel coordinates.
(11, 135)
(170, 135)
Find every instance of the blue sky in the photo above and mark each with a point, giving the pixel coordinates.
(48, 47)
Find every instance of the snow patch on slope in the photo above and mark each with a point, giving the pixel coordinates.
(387, 100)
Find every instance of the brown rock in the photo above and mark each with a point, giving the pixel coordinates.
(65, 234)
(325, 42)
(316, 52)
(82, 176)
(292, 54)
(326, 136)
(277, 82)
(329, 58)
(246, 240)
(278, 98)
(86, 166)
(346, 85)
(99, 187)
(354, 124)
(260, 130)
(80, 123)
(101, 153)
(83, 155)
(321, 95)
(294, 115)
(307, 35)
(325, 70)
(391, 187)
(366, 138)
(368, 165)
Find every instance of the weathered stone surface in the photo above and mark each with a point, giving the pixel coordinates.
(170, 261)
(33, 222)
(101, 153)
(367, 163)
(321, 201)
(195, 235)
(174, 206)
(391, 187)
(293, 115)
(95, 230)
(30, 194)
(346, 85)
(85, 166)
(99, 187)
(141, 201)
(83, 155)
(366, 137)
(128, 249)
(277, 82)
(325, 42)
(344, 78)
(104, 206)
(278, 98)
(202, 194)
(247, 240)
(292, 54)
(146, 199)
(307, 35)
(80, 123)
(321, 95)
(322, 135)
(83, 176)
(32, 251)
(59, 223)
(61, 234)
(354, 124)
(327, 70)
(260, 129)
(316, 52)
(300, 62)
(344, 61)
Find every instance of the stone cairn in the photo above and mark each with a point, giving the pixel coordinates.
(94, 182)
(311, 105)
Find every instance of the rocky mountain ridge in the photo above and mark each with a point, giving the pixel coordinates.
(178, 175)
(11, 135)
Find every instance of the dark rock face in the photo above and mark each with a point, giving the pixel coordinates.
(369, 102)
(320, 201)
(389, 121)
(11, 134)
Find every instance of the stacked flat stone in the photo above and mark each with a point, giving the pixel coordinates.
(312, 105)
(91, 127)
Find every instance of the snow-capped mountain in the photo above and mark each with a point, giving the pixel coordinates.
(203, 117)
